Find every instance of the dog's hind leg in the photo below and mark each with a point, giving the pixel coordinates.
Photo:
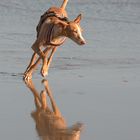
(36, 48)
(45, 67)
(46, 63)
(50, 58)
(32, 61)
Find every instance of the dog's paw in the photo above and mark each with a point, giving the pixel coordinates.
(44, 71)
(27, 77)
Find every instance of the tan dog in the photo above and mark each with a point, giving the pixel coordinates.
(52, 31)
(50, 124)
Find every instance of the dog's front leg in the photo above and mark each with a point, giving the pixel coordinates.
(44, 69)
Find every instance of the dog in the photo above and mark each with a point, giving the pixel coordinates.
(50, 124)
(52, 30)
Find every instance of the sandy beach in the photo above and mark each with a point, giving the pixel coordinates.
(97, 84)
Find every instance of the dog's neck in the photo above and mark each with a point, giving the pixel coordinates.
(59, 30)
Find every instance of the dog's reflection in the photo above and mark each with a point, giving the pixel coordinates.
(50, 124)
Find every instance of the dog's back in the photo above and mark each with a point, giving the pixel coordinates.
(61, 12)
(53, 11)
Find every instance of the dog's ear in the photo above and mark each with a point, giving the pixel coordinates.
(78, 19)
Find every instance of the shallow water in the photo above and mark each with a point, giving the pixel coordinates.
(97, 85)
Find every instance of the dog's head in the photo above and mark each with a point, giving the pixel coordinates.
(74, 31)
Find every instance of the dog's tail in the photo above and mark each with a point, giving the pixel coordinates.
(64, 4)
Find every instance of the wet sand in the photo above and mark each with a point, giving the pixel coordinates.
(97, 85)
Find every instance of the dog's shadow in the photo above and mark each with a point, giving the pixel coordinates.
(50, 124)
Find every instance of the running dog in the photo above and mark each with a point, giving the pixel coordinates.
(52, 30)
